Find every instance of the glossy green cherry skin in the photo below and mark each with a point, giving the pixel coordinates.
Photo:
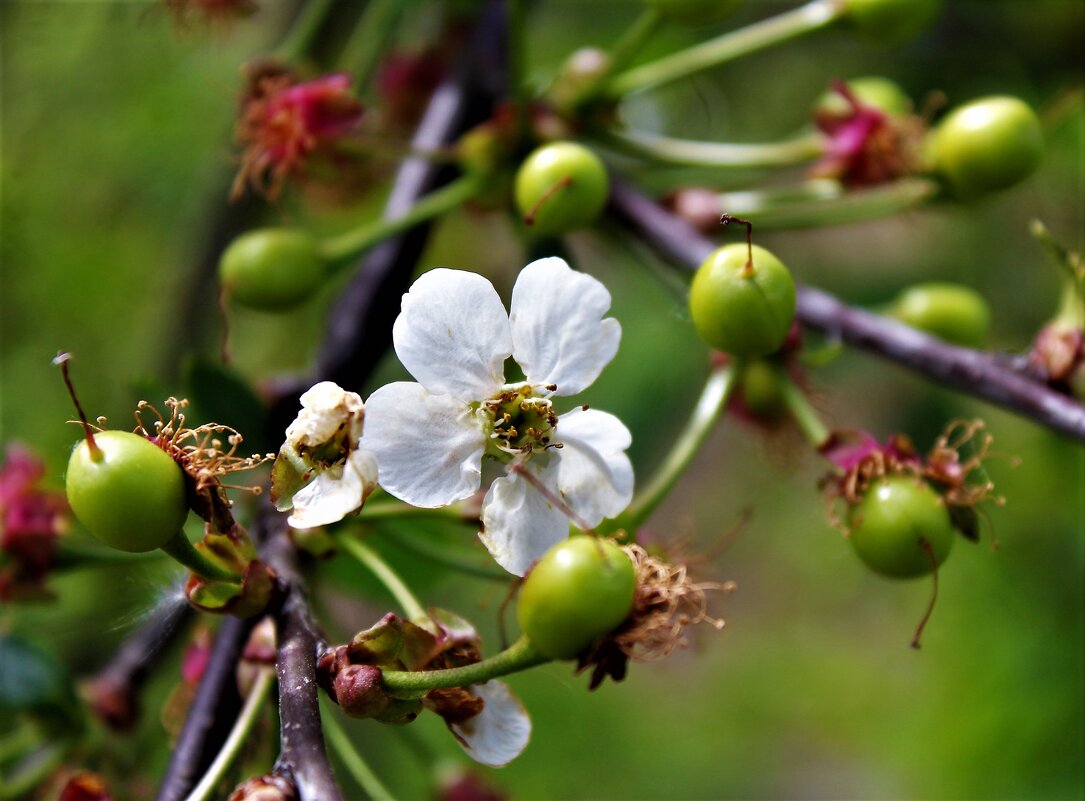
(954, 313)
(745, 312)
(694, 12)
(891, 522)
(871, 90)
(580, 590)
(890, 21)
(987, 145)
(560, 187)
(133, 497)
(272, 269)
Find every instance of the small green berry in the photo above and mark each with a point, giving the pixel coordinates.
(743, 306)
(952, 312)
(901, 528)
(127, 491)
(272, 269)
(580, 590)
(560, 187)
(891, 21)
(987, 145)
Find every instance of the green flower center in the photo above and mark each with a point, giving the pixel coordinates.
(517, 422)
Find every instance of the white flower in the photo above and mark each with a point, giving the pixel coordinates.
(454, 336)
(322, 457)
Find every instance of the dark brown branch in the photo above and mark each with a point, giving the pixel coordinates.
(302, 755)
(360, 323)
(983, 375)
(113, 693)
(212, 714)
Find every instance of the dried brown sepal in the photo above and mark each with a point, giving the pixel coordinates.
(861, 460)
(85, 786)
(665, 602)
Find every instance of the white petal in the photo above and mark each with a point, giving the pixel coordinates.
(518, 523)
(335, 493)
(499, 733)
(595, 477)
(428, 447)
(325, 407)
(453, 334)
(558, 334)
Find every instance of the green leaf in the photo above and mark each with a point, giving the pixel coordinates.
(31, 680)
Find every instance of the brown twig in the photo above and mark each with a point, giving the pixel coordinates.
(978, 373)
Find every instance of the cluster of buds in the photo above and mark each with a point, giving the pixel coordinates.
(31, 518)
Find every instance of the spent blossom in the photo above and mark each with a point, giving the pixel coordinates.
(454, 336)
(283, 123)
(321, 472)
(31, 518)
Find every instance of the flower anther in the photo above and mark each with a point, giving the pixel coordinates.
(454, 335)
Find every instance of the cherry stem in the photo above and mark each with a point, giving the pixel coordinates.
(725, 220)
(533, 480)
(62, 360)
(387, 577)
(926, 546)
(521, 655)
(802, 412)
(533, 212)
(182, 550)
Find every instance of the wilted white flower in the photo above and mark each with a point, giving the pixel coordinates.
(321, 472)
(453, 335)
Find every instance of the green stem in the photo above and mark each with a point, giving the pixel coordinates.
(777, 210)
(236, 739)
(362, 774)
(717, 389)
(685, 152)
(634, 38)
(183, 551)
(807, 419)
(425, 548)
(344, 247)
(303, 32)
(19, 741)
(385, 575)
(521, 655)
(368, 40)
(810, 17)
(22, 784)
(386, 510)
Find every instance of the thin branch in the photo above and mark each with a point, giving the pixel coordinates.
(113, 692)
(302, 755)
(216, 706)
(977, 373)
(360, 323)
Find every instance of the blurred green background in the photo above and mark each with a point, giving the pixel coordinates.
(115, 151)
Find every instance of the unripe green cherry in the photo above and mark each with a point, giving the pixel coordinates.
(955, 313)
(560, 187)
(901, 528)
(890, 21)
(871, 90)
(580, 590)
(272, 269)
(694, 12)
(742, 306)
(127, 491)
(987, 145)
